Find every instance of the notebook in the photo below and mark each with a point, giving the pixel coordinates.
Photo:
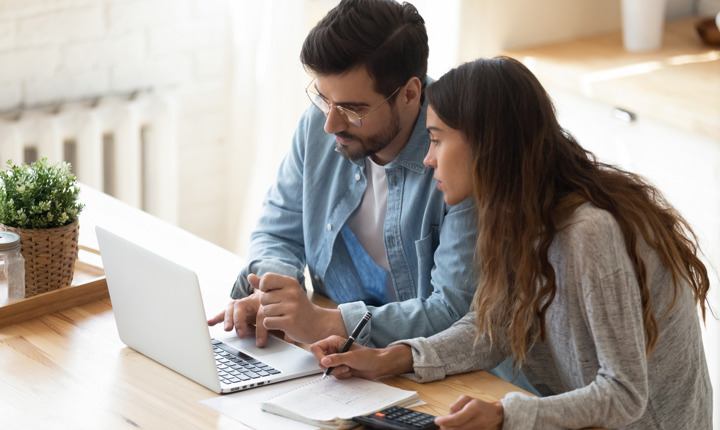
(332, 403)
(159, 313)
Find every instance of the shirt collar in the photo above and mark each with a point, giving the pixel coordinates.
(413, 153)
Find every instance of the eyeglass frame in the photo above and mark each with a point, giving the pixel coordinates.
(343, 111)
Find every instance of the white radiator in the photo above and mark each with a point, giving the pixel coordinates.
(124, 146)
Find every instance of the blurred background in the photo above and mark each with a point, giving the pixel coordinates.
(226, 74)
(185, 108)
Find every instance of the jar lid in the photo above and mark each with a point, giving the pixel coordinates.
(9, 240)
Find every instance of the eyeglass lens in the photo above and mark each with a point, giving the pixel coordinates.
(324, 106)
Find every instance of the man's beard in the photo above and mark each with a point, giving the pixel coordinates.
(371, 144)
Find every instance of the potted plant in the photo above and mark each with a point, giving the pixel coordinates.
(39, 202)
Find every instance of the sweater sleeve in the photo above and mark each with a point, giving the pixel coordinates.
(446, 353)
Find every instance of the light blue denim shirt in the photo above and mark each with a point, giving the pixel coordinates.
(430, 245)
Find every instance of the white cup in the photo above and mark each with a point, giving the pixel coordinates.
(643, 22)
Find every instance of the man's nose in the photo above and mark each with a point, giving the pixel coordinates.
(335, 122)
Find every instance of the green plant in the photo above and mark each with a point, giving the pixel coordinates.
(39, 195)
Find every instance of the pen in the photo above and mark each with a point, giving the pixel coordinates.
(351, 339)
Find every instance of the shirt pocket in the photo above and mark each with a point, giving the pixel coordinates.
(425, 251)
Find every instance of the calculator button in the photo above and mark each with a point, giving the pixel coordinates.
(398, 418)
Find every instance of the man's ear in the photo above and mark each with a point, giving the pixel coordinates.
(410, 94)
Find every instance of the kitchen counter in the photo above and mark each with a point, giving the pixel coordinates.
(678, 85)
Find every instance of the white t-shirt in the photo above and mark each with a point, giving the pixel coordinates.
(368, 221)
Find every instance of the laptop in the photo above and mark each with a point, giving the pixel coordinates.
(159, 313)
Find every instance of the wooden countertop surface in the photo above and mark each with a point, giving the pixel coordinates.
(678, 85)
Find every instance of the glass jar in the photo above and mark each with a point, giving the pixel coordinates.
(12, 275)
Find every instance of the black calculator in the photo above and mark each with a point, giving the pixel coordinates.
(397, 418)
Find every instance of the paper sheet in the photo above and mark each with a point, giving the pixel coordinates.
(328, 400)
(244, 406)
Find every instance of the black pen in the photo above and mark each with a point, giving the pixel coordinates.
(351, 339)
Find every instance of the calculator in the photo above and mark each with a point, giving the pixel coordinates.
(398, 418)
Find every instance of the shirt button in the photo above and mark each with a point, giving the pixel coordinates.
(357, 176)
(317, 277)
(329, 227)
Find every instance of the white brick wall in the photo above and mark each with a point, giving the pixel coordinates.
(72, 25)
(104, 53)
(64, 50)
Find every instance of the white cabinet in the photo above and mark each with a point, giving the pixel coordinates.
(685, 166)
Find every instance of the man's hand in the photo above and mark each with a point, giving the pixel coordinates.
(279, 303)
(285, 306)
(239, 313)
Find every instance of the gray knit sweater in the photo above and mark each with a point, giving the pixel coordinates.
(592, 369)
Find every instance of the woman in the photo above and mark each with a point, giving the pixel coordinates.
(590, 279)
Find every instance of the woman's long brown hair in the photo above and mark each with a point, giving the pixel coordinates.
(529, 176)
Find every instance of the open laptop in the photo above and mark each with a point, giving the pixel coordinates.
(159, 312)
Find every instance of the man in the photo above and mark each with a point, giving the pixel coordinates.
(353, 200)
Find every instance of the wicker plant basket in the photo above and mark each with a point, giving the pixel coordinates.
(50, 255)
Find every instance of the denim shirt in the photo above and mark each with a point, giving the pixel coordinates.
(430, 245)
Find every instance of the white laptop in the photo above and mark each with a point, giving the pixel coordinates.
(159, 313)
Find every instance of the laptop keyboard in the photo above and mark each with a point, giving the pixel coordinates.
(235, 366)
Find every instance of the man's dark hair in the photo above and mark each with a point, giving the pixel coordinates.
(386, 37)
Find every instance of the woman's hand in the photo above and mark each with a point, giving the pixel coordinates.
(470, 413)
(360, 361)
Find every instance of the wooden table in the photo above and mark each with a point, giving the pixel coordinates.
(69, 369)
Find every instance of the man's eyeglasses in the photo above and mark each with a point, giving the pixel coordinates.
(351, 116)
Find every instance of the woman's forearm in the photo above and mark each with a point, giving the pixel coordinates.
(396, 359)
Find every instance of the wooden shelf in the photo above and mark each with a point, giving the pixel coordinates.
(88, 285)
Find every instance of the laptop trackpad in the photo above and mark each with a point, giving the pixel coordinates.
(273, 345)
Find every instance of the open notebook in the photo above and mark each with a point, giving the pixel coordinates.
(331, 403)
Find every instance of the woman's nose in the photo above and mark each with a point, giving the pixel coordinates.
(429, 159)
